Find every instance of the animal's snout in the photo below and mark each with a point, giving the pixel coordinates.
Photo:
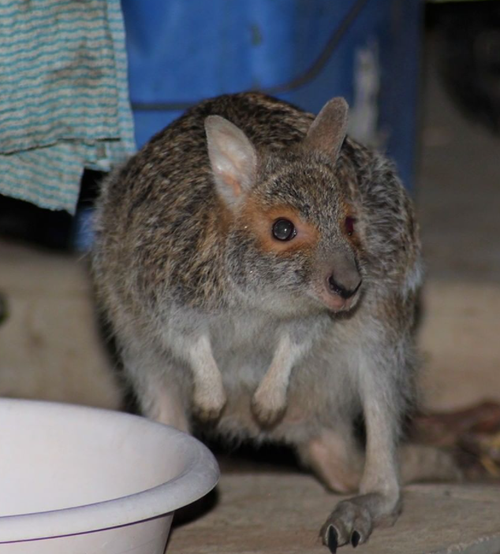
(346, 288)
(341, 281)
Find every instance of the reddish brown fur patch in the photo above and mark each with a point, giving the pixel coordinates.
(260, 220)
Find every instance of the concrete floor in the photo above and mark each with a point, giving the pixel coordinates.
(50, 350)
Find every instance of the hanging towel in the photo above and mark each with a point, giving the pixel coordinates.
(63, 97)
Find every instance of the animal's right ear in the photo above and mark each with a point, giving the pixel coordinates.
(232, 157)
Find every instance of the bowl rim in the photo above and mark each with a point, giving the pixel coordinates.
(199, 477)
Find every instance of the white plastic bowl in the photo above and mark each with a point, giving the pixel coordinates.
(78, 480)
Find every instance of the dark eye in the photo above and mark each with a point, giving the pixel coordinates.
(283, 229)
(349, 225)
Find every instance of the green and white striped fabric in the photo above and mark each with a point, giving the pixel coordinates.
(63, 96)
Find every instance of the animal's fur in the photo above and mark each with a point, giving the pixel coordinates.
(207, 306)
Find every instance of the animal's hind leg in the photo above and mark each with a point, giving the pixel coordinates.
(338, 461)
(335, 458)
(378, 502)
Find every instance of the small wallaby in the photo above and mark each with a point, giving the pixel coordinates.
(260, 270)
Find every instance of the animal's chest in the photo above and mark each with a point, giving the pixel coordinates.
(243, 347)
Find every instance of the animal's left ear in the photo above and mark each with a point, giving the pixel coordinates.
(328, 130)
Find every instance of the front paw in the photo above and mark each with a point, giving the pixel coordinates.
(268, 406)
(208, 403)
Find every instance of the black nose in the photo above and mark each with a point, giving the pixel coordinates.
(341, 290)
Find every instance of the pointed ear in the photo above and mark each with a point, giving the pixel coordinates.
(232, 157)
(328, 130)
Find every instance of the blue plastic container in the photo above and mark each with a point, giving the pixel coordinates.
(304, 51)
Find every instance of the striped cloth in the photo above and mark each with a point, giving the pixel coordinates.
(63, 96)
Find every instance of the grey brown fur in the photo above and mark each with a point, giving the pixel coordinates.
(216, 320)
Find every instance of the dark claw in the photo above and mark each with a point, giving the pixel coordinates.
(332, 540)
(355, 538)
